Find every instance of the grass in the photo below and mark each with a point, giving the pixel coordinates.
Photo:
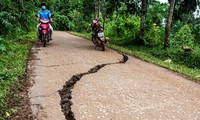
(147, 54)
(12, 67)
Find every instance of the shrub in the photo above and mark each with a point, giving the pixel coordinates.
(76, 21)
(3, 45)
(196, 31)
(184, 37)
(61, 22)
(154, 35)
(123, 30)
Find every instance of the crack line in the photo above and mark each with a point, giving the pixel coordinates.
(45, 95)
(59, 65)
(65, 93)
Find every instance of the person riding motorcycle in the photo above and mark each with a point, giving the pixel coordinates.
(45, 15)
(95, 25)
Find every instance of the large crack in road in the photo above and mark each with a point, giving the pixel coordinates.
(66, 92)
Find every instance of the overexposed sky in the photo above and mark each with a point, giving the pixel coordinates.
(163, 1)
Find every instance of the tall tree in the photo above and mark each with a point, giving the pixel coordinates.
(88, 8)
(142, 20)
(168, 24)
(133, 6)
(186, 7)
(99, 8)
(111, 6)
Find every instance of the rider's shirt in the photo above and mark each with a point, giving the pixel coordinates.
(44, 14)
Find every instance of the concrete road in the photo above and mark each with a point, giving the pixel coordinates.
(136, 90)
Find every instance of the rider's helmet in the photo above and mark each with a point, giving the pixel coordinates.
(42, 4)
(97, 19)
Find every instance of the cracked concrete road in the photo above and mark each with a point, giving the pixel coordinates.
(130, 91)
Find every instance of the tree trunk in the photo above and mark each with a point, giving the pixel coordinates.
(168, 24)
(142, 20)
(99, 5)
(94, 9)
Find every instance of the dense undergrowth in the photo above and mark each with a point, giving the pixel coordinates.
(14, 55)
(17, 23)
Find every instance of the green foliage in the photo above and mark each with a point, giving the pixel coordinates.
(62, 9)
(123, 30)
(61, 22)
(184, 37)
(12, 65)
(195, 27)
(158, 56)
(176, 27)
(154, 36)
(133, 6)
(122, 10)
(184, 7)
(15, 17)
(156, 13)
(77, 22)
(3, 45)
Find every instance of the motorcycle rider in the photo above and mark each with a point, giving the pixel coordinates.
(95, 25)
(95, 28)
(46, 15)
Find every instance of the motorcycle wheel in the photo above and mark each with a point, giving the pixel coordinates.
(102, 46)
(44, 40)
(48, 37)
(95, 40)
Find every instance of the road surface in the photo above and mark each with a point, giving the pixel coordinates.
(135, 90)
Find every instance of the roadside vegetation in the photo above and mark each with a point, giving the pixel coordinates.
(16, 38)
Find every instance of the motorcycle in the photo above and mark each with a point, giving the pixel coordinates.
(98, 38)
(44, 31)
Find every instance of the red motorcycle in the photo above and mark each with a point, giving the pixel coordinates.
(98, 38)
(98, 35)
(44, 31)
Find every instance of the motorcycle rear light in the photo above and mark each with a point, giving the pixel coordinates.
(44, 26)
(44, 31)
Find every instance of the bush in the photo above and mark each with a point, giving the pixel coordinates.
(76, 21)
(196, 31)
(61, 22)
(154, 36)
(184, 37)
(123, 30)
(3, 45)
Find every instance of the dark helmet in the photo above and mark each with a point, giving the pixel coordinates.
(42, 4)
(97, 19)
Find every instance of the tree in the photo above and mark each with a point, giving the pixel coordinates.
(184, 7)
(133, 6)
(88, 8)
(143, 13)
(111, 5)
(168, 24)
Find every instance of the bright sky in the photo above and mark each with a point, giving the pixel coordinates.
(163, 1)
